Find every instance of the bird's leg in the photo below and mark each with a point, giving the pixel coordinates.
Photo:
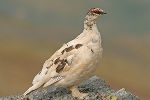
(76, 93)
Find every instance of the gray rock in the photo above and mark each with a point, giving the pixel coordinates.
(95, 87)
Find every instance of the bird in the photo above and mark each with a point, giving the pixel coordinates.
(75, 61)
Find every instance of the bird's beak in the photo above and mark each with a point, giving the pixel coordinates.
(104, 13)
(101, 13)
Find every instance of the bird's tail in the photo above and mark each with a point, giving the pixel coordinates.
(32, 88)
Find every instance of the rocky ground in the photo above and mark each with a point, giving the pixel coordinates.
(95, 87)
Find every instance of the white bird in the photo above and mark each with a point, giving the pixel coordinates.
(75, 61)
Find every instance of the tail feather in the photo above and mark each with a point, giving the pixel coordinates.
(32, 88)
(36, 79)
(52, 81)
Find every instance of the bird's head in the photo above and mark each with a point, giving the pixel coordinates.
(94, 13)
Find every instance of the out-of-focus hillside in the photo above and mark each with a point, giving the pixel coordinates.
(127, 61)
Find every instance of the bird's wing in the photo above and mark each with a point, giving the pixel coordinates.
(60, 62)
(55, 68)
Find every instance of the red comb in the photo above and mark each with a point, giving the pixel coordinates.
(95, 10)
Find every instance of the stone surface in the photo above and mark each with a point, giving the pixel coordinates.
(95, 87)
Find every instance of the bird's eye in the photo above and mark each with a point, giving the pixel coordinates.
(97, 12)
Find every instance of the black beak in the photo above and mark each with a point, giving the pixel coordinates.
(100, 13)
(104, 13)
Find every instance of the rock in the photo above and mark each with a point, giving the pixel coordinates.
(95, 87)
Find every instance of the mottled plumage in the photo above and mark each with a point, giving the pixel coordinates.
(75, 61)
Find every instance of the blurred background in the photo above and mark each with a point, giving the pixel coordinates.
(31, 31)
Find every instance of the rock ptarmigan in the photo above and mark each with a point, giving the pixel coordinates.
(75, 61)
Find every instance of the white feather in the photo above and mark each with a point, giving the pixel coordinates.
(80, 62)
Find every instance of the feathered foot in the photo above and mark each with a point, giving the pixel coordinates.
(76, 93)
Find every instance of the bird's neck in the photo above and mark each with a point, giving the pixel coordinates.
(89, 23)
(90, 29)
